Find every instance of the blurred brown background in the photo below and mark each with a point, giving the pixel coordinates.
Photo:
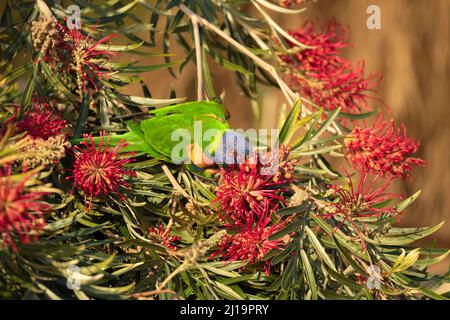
(412, 52)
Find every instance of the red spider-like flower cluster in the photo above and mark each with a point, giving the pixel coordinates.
(319, 73)
(248, 196)
(86, 56)
(100, 170)
(161, 236)
(40, 120)
(21, 210)
(254, 187)
(251, 243)
(364, 201)
(75, 51)
(382, 149)
(246, 192)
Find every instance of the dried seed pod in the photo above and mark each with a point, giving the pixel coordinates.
(45, 152)
(44, 35)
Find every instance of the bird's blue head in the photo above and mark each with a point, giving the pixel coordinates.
(234, 148)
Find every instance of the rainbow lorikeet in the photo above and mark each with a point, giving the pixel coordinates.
(202, 127)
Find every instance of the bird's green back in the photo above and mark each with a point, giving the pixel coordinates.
(159, 129)
(154, 136)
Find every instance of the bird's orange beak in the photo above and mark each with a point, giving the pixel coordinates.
(198, 157)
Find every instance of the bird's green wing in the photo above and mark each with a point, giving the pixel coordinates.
(160, 132)
(154, 136)
(193, 108)
(136, 140)
(192, 119)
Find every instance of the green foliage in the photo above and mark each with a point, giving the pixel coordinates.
(109, 241)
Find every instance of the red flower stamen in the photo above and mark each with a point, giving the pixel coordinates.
(244, 192)
(289, 3)
(38, 121)
(86, 55)
(75, 51)
(100, 170)
(21, 211)
(251, 243)
(355, 204)
(320, 74)
(382, 149)
(161, 236)
(248, 195)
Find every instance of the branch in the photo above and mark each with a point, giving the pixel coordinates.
(198, 58)
(174, 182)
(288, 93)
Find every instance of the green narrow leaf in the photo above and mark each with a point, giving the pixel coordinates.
(303, 207)
(349, 258)
(226, 63)
(176, 20)
(319, 248)
(166, 45)
(343, 279)
(14, 74)
(107, 292)
(119, 48)
(405, 239)
(358, 116)
(405, 203)
(286, 252)
(138, 68)
(56, 83)
(207, 78)
(226, 291)
(288, 229)
(286, 131)
(28, 92)
(325, 124)
(309, 274)
(432, 294)
(429, 261)
(287, 279)
(97, 267)
(84, 112)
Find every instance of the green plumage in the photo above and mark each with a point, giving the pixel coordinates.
(153, 136)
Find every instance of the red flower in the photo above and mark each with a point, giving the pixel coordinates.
(89, 61)
(100, 170)
(76, 54)
(21, 211)
(251, 243)
(161, 236)
(244, 192)
(39, 120)
(248, 196)
(353, 205)
(319, 73)
(382, 149)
